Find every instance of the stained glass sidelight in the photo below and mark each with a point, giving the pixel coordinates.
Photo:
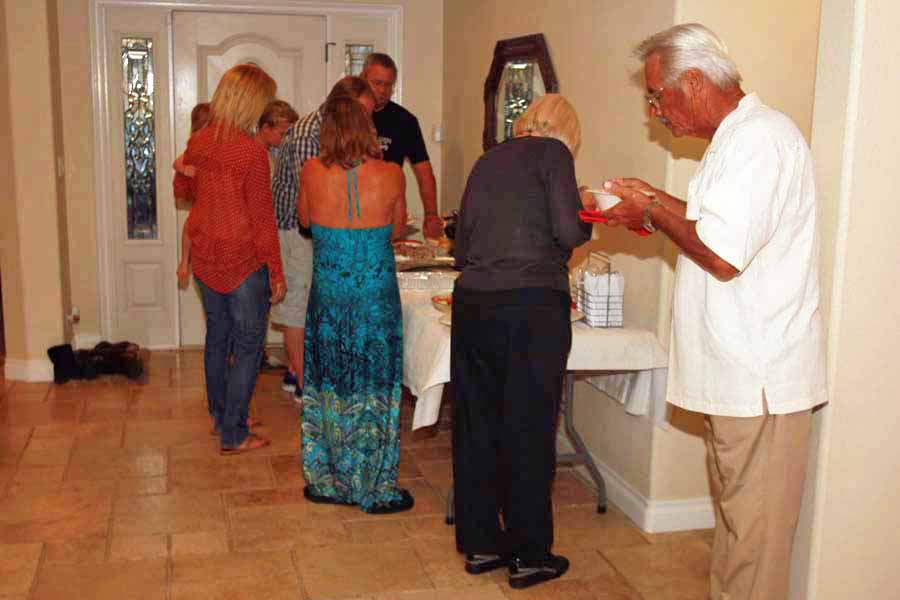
(140, 138)
(354, 57)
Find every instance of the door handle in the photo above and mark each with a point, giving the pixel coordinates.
(326, 48)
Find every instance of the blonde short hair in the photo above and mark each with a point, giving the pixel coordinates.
(551, 116)
(241, 97)
(278, 111)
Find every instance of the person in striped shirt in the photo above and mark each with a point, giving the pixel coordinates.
(301, 142)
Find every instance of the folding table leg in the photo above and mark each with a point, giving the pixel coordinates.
(580, 456)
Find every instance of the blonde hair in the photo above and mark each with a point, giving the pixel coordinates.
(241, 97)
(551, 116)
(691, 46)
(278, 111)
(347, 136)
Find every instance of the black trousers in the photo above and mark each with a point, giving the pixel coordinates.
(508, 358)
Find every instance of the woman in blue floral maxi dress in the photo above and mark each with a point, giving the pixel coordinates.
(354, 204)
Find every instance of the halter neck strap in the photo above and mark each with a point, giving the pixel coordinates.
(351, 177)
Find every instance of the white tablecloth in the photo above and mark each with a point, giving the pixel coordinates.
(637, 352)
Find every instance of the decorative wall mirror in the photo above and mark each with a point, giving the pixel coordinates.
(520, 72)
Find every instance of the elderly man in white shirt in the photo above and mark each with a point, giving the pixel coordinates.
(747, 343)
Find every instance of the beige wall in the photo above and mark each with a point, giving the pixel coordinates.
(62, 208)
(856, 522)
(10, 261)
(621, 441)
(78, 158)
(421, 70)
(32, 253)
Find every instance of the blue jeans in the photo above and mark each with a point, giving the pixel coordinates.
(236, 325)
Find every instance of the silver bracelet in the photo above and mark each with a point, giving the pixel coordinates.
(647, 224)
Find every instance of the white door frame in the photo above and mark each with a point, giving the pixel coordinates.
(99, 52)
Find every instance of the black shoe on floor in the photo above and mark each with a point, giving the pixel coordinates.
(523, 574)
(405, 502)
(476, 564)
(319, 499)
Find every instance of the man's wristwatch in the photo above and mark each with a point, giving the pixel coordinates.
(647, 224)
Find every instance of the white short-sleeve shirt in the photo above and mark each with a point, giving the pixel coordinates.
(733, 342)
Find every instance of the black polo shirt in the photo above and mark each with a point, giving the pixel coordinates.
(399, 134)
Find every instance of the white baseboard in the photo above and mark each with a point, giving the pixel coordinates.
(37, 369)
(680, 515)
(86, 340)
(652, 516)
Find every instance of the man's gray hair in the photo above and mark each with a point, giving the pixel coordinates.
(691, 46)
(381, 59)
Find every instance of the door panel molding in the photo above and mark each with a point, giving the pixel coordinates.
(143, 284)
(99, 11)
(205, 53)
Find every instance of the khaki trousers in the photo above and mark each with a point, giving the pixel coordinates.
(757, 466)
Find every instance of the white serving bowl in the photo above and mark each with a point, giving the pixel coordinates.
(605, 200)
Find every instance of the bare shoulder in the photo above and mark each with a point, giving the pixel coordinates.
(312, 165)
(394, 169)
(389, 172)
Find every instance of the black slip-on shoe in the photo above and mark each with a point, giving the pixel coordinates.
(405, 502)
(476, 564)
(523, 574)
(319, 499)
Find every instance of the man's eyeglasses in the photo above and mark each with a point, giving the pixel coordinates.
(653, 98)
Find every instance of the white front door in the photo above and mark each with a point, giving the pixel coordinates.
(290, 48)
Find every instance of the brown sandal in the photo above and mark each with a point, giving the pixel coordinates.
(251, 442)
(251, 423)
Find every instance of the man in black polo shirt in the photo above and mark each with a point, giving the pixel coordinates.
(401, 137)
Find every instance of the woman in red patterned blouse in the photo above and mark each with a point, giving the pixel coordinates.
(234, 247)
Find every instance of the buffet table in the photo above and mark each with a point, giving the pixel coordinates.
(595, 352)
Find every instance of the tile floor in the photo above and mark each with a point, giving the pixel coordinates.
(111, 490)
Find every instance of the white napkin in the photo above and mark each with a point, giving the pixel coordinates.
(604, 284)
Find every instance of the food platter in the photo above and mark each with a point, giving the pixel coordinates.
(407, 243)
(421, 253)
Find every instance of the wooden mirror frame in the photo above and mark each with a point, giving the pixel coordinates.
(528, 47)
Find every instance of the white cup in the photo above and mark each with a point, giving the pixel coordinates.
(605, 200)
